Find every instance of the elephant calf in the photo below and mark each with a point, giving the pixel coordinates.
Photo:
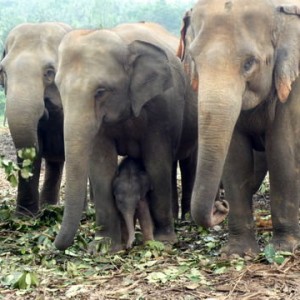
(130, 188)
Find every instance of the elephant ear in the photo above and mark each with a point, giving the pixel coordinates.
(151, 73)
(1, 71)
(186, 21)
(186, 37)
(288, 52)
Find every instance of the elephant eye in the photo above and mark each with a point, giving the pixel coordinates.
(249, 63)
(49, 75)
(101, 92)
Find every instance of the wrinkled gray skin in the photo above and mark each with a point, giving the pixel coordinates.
(33, 107)
(246, 65)
(130, 188)
(129, 91)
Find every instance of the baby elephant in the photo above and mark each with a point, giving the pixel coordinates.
(130, 187)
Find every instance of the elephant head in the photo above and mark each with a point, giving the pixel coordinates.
(245, 54)
(102, 81)
(27, 73)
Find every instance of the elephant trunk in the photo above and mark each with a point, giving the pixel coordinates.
(219, 106)
(78, 148)
(24, 108)
(76, 168)
(129, 221)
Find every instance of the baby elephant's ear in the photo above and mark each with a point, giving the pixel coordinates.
(151, 73)
(288, 50)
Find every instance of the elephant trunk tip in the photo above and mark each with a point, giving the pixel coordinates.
(217, 215)
(62, 243)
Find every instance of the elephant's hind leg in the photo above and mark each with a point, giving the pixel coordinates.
(188, 171)
(52, 181)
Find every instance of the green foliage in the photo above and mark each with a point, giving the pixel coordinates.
(272, 256)
(25, 169)
(265, 186)
(21, 280)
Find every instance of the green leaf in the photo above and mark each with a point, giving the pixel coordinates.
(157, 277)
(25, 173)
(12, 178)
(26, 163)
(221, 270)
(269, 253)
(155, 245)
(28, 279)
(279, 259)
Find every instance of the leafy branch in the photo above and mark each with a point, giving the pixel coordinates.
(12, 169)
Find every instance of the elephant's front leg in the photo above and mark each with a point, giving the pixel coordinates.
(145, 219)
(238, 183)
(103, 165)
(28, 191)
(52, 181)
(158, 164)
(283, 156)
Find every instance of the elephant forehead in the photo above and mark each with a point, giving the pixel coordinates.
(231, 13)
(94, 42)
(35, 35)
(231, 6)
(90, 62)
(237, 23)
(91, 51)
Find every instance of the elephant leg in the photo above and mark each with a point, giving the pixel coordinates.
(175, 204)
(124, 232)
(90, 190)
(52, 181)
(103, 165)
(284, 165)
(159, 169)
(145, 220)
(238, 183)
(28, 191)
(188, 171)
(260, 169)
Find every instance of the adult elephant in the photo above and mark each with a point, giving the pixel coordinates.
(124, 92)
(33, 107)
(246, 63)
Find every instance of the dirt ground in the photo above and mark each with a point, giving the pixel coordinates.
(256, 280)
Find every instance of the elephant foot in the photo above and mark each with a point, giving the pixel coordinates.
(288, 242)
(22, 211)
(242, 246)
(166, 237)
(103, 245)
(48, 200)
